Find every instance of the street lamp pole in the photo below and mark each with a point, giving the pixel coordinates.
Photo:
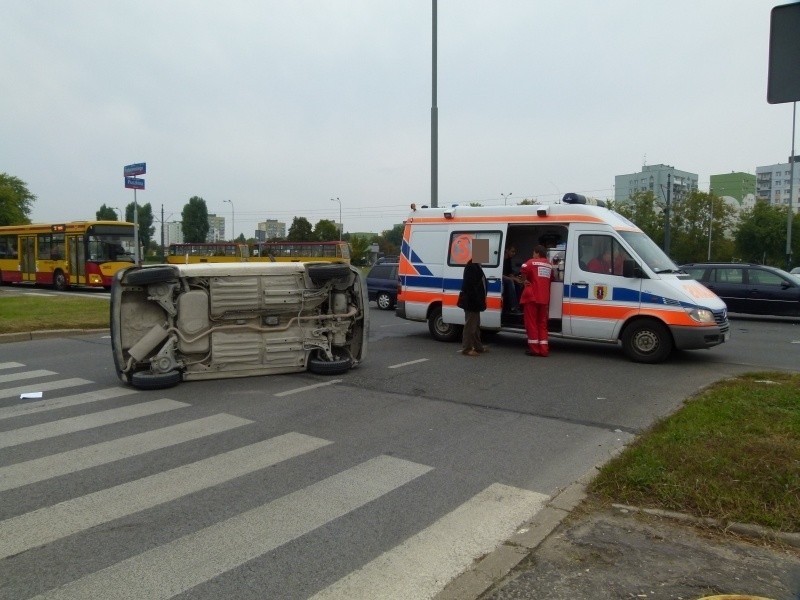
(710, 219)
(505, 197)
(341, 225)
(233, 221)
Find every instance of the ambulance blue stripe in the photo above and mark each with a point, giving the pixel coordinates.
(620, 294)
(440, 284)
(415, 260)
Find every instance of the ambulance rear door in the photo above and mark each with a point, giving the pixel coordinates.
(460, 250)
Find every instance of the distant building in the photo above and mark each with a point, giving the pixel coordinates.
(216, 229)
(734, 185)
(271, 229)
(173, 233)
(773, 183)
(656, 179)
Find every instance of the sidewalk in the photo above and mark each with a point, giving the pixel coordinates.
(25, 336)
(575, 549)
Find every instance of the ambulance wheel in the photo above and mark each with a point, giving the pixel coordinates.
(646, 341)
(441, 331)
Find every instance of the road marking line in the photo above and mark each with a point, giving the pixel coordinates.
(44, 387)
(43, 431)
(184, 563)
(51, 523)
(11, 365)
(307, 388)
(421, 566)
(29, 408)
(55, 465)
(411, 362)
(26, 375)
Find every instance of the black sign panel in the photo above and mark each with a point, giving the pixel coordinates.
(784, 54)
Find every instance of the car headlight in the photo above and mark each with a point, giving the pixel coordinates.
(702, 315)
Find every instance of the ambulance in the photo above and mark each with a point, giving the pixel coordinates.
(639, 298)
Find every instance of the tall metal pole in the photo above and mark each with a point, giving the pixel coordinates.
(792, 188)
(233, 221)
(341, 225)
(710, 219)
(667, 214)
(434, 124)
(135, 229)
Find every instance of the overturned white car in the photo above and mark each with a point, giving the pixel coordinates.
(206, 321)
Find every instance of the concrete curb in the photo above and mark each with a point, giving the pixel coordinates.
(489, 570)
(743, 529)
(25, 336)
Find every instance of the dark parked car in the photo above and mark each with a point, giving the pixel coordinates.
(382, 285)
(750, 288)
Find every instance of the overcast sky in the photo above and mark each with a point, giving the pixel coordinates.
(280, 106)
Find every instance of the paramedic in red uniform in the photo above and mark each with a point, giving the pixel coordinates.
(537, 273)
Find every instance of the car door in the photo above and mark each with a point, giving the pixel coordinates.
(771, 293)
(729, 284)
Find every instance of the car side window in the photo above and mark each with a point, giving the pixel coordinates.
(380, 272)
(762, 277)
(728, 275)
(695, 273)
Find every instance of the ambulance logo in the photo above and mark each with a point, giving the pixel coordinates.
(600, 292)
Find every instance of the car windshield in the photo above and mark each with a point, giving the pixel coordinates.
(649, 252)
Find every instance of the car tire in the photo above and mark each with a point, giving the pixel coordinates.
(145, 380)
(320, 366)
(321, 274)
(60, 280)
(647, 341)
(150, 275)
(441, 331)
(385, 301)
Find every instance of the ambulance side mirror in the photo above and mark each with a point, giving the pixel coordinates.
(631, 270)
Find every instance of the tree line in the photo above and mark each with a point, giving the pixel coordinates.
(702, 226)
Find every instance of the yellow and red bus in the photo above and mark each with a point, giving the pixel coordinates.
(207, 252)
(81, 253)
(338, 251)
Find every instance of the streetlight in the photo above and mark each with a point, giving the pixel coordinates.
(341, 226)
(505, 197)
(233, 221)
(710, 219)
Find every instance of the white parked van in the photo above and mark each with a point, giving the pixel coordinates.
(639, 298)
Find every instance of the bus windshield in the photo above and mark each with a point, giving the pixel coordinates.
(649, 252)
(109, 247)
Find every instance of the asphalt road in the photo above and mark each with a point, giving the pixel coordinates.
(385, 482)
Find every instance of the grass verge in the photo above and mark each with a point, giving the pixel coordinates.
(32, 313)
(730, 453)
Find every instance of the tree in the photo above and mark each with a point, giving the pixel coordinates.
(144, 216)
(690, 228)
(761, 236)
(106, 213)
(646, 212)
(359, 248)
(15, 201)
(394, 236)
(194, 220)
(326, 230)
(301, 231)
(528, 202)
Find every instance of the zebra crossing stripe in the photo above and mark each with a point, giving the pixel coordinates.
(39, 469)
(26, 375)
(29, 408)
(48, 524)
(11, 365)
(44, 387)
(421, 566)
(184, 563)
(43, 431)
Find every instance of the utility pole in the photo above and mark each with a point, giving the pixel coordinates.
(667, 215)
(710, 219)
(162, 232)
(434, 124)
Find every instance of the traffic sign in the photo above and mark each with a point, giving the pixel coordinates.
(135, 169)
(134, 183)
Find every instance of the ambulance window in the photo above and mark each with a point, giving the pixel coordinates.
(460, 248)
(601, 254)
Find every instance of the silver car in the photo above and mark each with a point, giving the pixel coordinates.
(172, 323)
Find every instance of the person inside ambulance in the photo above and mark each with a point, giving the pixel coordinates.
(601, 263)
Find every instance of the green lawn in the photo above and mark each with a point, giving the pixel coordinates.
(32, 313)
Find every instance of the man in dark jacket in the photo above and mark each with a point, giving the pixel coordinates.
(473, 300)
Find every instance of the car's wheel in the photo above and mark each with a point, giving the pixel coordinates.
(320, 274)
(145, 380)
(441, 331)
(647, 341)
(385, 301)
(60, 280)
(321, 366)
(150, 275)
